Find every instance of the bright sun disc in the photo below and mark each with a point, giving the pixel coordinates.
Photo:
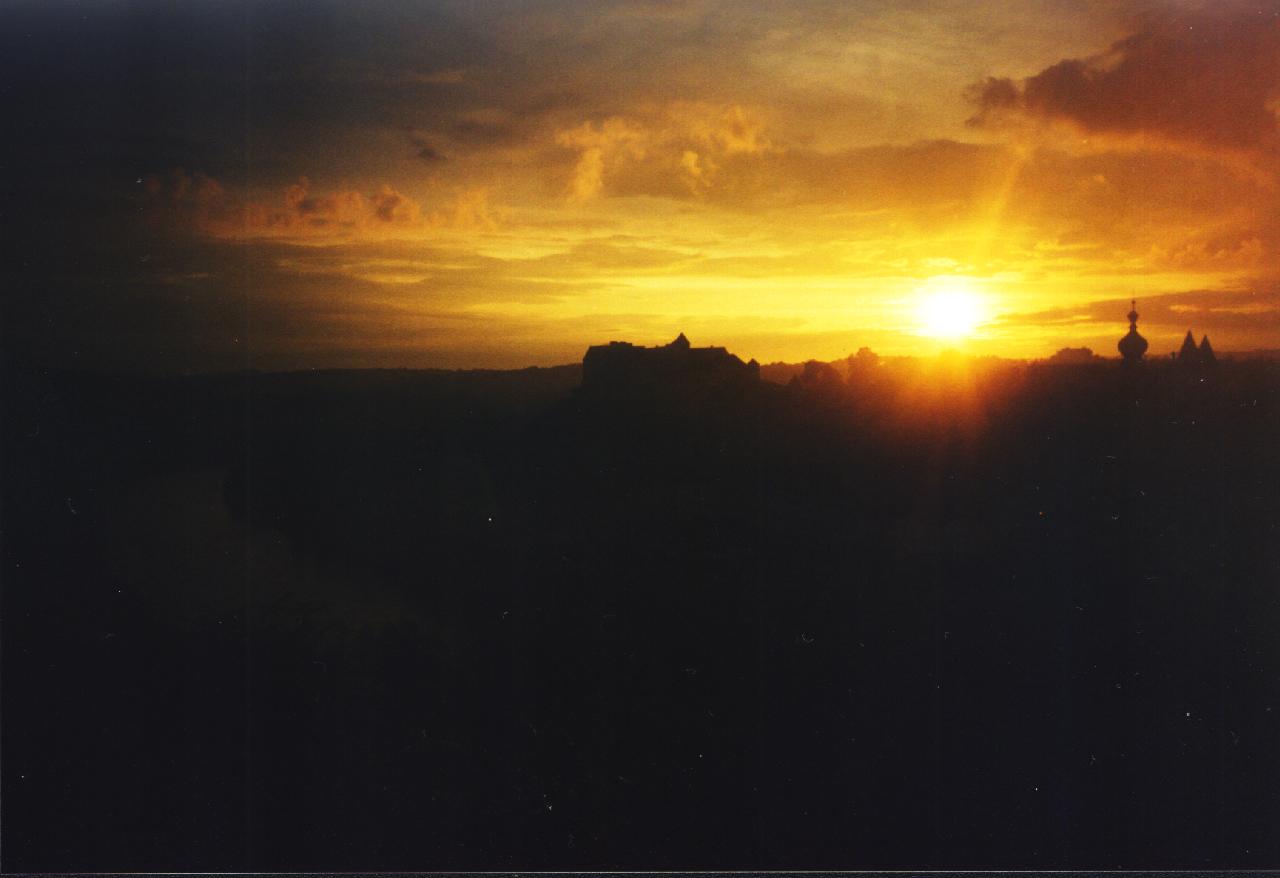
(949, 308)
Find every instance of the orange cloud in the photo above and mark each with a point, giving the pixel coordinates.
(614, 140)
(344, 212)
(675, 150)
(470, 211)
(199, 205)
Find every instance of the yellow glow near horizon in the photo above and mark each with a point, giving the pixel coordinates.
(712, 174)
(950, 308)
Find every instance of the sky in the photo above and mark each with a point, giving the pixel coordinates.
(283, 185)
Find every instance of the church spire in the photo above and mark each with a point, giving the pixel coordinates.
(1190, 353)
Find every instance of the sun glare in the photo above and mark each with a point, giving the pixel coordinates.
(949, 308)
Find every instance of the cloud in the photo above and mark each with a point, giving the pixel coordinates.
(305, 212)
(1201, 255)
(423, 147)
(390, 206)
(1246, 317)
(177, 203)
(487, 126)
(615, 139)
(452, 76)
(177, 198)
(674, 150)
(471, 210)
(729, 130)
(1207, 77)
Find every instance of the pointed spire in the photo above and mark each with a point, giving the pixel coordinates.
(681, 342)
(1189, 353)
(1206, 351)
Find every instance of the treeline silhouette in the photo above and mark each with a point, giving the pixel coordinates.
(949, 612)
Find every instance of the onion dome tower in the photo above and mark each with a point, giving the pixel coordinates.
(1133, 346)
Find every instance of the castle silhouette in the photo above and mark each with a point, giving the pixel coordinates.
(620, 365)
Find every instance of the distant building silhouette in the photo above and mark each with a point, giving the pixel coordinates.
(621, 366)
(1207, 355)
(1073, 357)
(818, 376)
(1190, 353)
(1133, 346)
(1196, 357)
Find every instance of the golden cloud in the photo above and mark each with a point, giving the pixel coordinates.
(674, 150)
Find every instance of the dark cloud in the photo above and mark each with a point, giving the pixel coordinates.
(473, 128)
(423, 148)
(308, 212)
(1207, 77)
(178, 201)
(429, 153)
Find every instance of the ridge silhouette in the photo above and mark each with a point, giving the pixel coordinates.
(657, 611)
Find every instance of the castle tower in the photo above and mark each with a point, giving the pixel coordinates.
(1133, 346)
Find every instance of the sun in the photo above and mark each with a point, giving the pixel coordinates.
(950, 307)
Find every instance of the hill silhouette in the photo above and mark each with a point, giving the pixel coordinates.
(885, 613)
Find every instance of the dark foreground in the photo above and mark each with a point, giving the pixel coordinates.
(953, 616)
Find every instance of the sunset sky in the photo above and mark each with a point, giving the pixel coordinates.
(204, 186)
